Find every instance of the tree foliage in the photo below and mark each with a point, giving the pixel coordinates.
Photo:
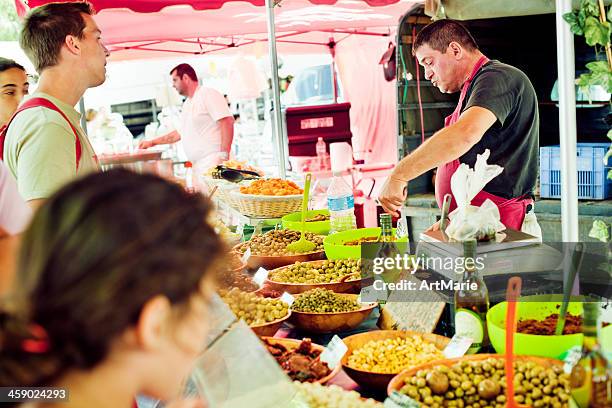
(9, 21)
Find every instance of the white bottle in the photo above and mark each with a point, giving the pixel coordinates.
(341, 204)
(321, 149)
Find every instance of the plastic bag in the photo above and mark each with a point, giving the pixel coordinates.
(468, 221)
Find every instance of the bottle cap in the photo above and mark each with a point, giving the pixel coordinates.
(188, 164)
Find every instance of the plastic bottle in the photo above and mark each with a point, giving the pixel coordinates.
(341, 204)
(321, 149)
(189, 177)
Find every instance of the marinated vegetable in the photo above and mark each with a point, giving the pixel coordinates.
(391, 356)
(482, 384)
(318, 396)
(301, 363)
(324, 301)
(327, 272)
(360, 241)
(274, 243)
(318, 217)
(253, 309)
(272, 187)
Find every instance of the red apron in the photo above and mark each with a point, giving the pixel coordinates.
(512, 211)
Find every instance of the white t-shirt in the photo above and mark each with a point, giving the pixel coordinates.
(15, 213)
(199, 130)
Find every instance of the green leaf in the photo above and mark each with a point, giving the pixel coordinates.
(576, 26)
(600, 231)
(591, 7)
(607, 156)
(604, 79)
(596, 32)
(598, 66)
(610, 134)
(610, 14)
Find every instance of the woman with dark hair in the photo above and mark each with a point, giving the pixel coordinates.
(14, 86)
(114, 281)
(14, 212)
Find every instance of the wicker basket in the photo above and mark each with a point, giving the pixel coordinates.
(224, 189)
(260, 206)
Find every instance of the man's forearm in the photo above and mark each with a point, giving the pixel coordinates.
(227, 133)
(444, 146)
(168, 138)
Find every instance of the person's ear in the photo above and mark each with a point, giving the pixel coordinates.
(72, 44)
(455, 50)
(151, 328)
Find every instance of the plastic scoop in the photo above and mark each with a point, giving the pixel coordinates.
(303, 245)
(574, 267)
(512, 294)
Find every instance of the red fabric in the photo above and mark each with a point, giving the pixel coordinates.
(152, 6)
(34, 103)
(512, 211)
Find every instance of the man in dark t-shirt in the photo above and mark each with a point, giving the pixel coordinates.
(497, 110)
(513, 139)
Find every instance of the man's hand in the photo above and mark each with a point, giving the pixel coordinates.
(435, 226)
(393, 195)
(145, 144)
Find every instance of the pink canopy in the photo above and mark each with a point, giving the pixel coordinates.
(145, 28)
(140, 29)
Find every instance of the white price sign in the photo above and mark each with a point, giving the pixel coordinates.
(246, 255)
(333, 353)
(457, 347)
(287, 298)
(260, 276)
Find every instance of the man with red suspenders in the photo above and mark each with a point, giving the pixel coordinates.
(497, 110)
(44, 146)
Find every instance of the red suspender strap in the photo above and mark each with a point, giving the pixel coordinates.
(45, 103)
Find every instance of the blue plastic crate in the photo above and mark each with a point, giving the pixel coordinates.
(593, 182)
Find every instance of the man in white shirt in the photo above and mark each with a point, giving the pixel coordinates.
(206, 125)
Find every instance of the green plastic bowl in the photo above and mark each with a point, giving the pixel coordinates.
(334, 243)
(535, 345)
(293, 221)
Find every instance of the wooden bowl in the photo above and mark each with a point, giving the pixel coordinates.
(243, 265)
(273, 262)
(379, 381)
(347, 286)
(332, 322)
(399, 380)
(270, 328)
(294, 343)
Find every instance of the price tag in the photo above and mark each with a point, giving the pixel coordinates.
(333, 353)
(260, 276)
(240, 230)
(246, 255)
(287, 298)
(457, 347)
(399, 400)
(369, 295)
(571, 359)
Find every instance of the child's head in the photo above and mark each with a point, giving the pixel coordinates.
(115, 268)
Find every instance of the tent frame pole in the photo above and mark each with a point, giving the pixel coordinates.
(567, 124)
(83, 115)
(277, 122)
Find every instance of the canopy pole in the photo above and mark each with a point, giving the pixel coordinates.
(83, 115)
(277, 121)
(567, 124)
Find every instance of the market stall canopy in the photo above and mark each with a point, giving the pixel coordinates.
(142, 29)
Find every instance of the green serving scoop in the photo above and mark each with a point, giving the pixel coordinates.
(303, 245)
